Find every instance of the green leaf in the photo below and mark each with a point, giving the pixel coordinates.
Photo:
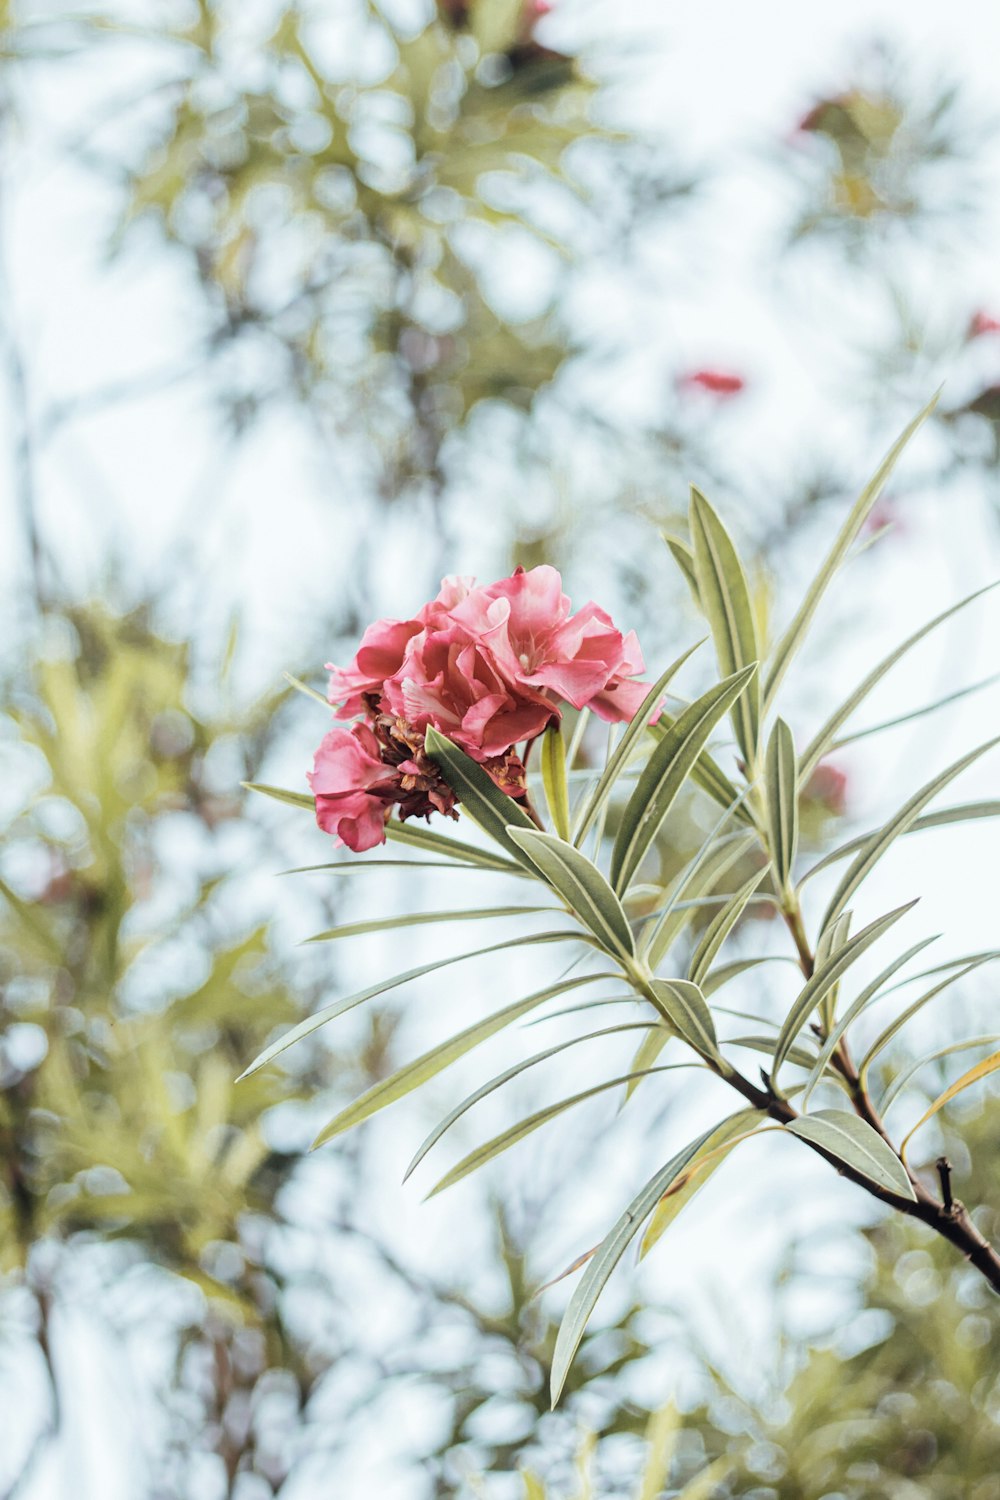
(661, 1440)
(704, 1485)
(420, 918)
(294, 799)
(797, 1055)
(721, 926)
(607, 1256)
(873, 849)
(582, 886)
(716, 978)
(782, 786)
(899, 1083)
(329, 1013)
(975, 1074)
(618, 760)
(574, 1010)
(479, 795)
(510, 1137)
(786, 649)
(310, 692)
(837, 1133)
(825, 736)
(512, 1072)
(351, 866)
(554, 779)
(684, 1006)
(647, 1052)
(710, 865)
(416, 1073)
(684, 558)
(727, 1135)
(895, 1026)
(422, 838)
(869, 993)
(665, 773)
(579, 730)
(916, 713)
(725, 598)
(825, 977)
(966, 812)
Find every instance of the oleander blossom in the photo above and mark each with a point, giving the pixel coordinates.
(489, 668)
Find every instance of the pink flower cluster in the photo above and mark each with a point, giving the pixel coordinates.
(488, 668)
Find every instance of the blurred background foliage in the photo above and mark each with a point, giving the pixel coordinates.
(405, 228)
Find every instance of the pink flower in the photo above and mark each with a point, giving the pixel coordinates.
(716, 382)
(541, 650)
(347, 767)
(982, 322)
(486, 667)
(383, 647)
(827, 785)
(451, 682)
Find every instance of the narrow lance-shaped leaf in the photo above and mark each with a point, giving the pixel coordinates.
(429, 841)
(510, 1137)
(825, 977)
(554, 779)
(279, 794)
(899, 1083)
(896, 1025)
(350, 866)
(479, 795)
(869, 855)
(717, 978)
(307, 691)
(782, 787)
(514, 1071)
(869, 993)
(966, 812)
(417, 1073)
(717, 1147)
(725, 598)
(581, 885)
(619, 758)
(665, 773)
(422, 918)
(684, 558)
(765, 1044)
(784, 652)
(710, 778)
(683, 1005)
(607, 1256)
(851, 1140)
(647, 1052)
(721, 926)
(825, 736)
(916, 713)
(330, 1012)
(710, 865)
